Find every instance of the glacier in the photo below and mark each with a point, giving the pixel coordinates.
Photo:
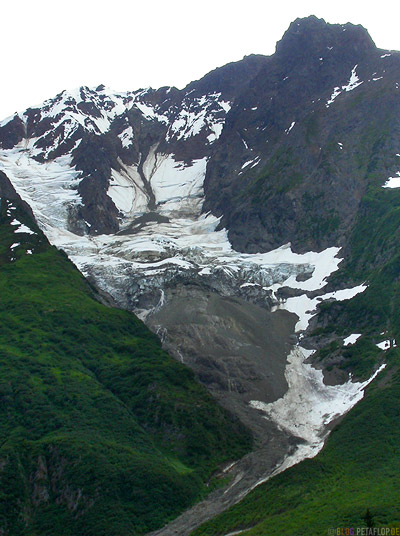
(166, 240)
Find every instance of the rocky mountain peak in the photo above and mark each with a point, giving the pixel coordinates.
(311, 35)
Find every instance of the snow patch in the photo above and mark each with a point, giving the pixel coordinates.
(305, 308)
(247, 163)
(387, 344)
(206, 112)
(290, 128)
(126, 137)
(393, 182)
(24, 229)
(351, 339)
(216, 130)
(352, 84)
(336, 92)
(225, 105)
(150, 113)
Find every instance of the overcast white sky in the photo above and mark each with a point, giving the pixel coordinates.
(50, 45)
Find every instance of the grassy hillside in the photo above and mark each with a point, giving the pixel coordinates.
(101, 432)
(359, 467)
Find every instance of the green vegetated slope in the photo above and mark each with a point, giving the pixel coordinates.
(359, 467)
(101, 432)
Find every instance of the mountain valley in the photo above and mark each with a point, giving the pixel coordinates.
(249, 225)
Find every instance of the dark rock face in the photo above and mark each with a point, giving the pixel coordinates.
(311, 161)
(231, 79)
(306, 37)
(12, 133)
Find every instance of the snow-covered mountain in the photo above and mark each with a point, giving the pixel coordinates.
(218, 212)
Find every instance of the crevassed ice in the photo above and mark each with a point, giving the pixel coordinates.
(186, 239)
